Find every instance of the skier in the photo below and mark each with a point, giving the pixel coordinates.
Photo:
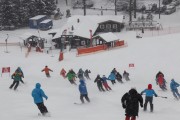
(161, 82)
(16, 77)
(46, 70)
(83, 91)
(70, 75)
(126, 75)
(80, 74)
(86, 73)
(119, 77)
(105, 84)
(130, 101)
(159, 74)
(99, 80)
(112, 78)
(114, 71)
(38, 94)
(149, 97)
(19, 70)
(173, 86)
(63, 73)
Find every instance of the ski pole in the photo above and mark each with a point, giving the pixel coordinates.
(162, 97)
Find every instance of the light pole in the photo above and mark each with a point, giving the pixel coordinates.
(115, 3)
(6, 43)
(159, 9)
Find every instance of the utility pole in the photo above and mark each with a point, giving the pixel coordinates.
(115, 4)
(135, 8)
(130, 11)
(84, 4)
(159, 9)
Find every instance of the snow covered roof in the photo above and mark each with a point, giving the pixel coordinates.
(85, 24)
(37, 17)
(108, 37)
(27, 35)
(46, 21)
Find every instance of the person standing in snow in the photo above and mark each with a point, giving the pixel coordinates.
(46, 70)
(149, 97)
(19, 70)
(63, 73)
(16, 77)
(83, 91)
(105, 84)
(126, 75)
(130, 102)
(99, 81)
(38, 95)
(173, 86)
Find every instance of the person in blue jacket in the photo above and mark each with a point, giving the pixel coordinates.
(173, 86)
(83, 91)
(38, 95)
(112, 78)
(149, 92)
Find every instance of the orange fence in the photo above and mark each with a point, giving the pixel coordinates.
(98, 48)
(119, 43)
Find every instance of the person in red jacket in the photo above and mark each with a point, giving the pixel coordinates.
(63, 73)
(46, 70)
(161, 82)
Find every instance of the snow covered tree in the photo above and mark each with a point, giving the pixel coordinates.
(9, 13)
(50, 6)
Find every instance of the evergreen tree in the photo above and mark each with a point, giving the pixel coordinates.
(50, 7)
(9, 13)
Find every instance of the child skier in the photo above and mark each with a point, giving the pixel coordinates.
(83, 91)
(130, 101)
(16, 77)
(38, 95)
(70, 75)
(173, 86)
(161, 82)
(46, 70)
(105, 84)
(99, 80)
(149, 97)
(126, 75)
(19, 70)
(112, 78)
(86, 73)
(119, 77)
(63, 73)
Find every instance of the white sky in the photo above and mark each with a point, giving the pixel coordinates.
(149, 54)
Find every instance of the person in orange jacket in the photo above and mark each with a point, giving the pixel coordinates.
(46, 70)
(63, 73)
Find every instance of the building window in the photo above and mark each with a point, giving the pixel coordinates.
(114, 26)
(108, 26)
(83, 42)
(101, 26)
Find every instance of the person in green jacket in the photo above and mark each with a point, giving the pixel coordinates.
(70, 75)
(16, 77)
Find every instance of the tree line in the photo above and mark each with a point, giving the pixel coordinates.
(17, 12)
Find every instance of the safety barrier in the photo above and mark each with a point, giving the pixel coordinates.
(81, 51)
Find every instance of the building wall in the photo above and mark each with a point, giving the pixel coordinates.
(109, 26)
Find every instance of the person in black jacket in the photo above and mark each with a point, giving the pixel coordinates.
(130, 102)
(119, 77)
(99, 81)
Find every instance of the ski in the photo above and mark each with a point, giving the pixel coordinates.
(77, 103)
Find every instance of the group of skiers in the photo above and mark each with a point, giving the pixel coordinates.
(130, 100)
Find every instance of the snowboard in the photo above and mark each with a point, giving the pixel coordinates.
(45, 115)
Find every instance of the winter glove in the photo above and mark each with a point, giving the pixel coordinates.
(124, 106)
(155, 95)
(46, 98)
(141, 104)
